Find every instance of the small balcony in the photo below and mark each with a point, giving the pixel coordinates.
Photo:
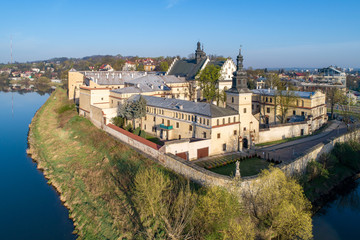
(162, 126)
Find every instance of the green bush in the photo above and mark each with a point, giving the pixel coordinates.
(118, 121)
(137, 131)
(348, 154)
(315, 169)
(142, 134)
(129, 128)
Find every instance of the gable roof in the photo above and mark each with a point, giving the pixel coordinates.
(199, 108)
(187, 68)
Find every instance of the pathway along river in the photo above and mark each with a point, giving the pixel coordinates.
(29, 207)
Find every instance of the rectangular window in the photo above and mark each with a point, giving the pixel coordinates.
(204, 134)
(224, 147)
(145, 118)
(162, 121)
(144, 126)
(268, 110)
(294, 112)
(235, 132)
(234, 119)
(208, 122)
(168, 122)
(217, 121)
(190, 128)
(154, 119)
(244, 110)
(218, 135)
(244, 128)
(229, 120)
(223, 120)
(177, 125)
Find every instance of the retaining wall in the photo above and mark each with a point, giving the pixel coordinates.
(298, 166)
(204, 177)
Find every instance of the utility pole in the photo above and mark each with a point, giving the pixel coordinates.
(11, 49)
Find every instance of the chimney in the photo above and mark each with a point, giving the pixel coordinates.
(268, 89)
(107, 76)
(119, 75)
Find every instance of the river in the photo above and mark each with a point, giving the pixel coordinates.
(30, 208)
(340, 217)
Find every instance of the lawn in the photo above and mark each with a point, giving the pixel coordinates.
(154, 139)
(248, 167)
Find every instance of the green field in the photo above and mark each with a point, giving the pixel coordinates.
(248, 167)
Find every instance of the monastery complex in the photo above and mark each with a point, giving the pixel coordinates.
(177, 114)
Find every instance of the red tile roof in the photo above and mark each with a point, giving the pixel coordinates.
(135, 137)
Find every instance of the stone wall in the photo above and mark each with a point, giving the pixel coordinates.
(282, 131)
(299, 164)
(204, 177)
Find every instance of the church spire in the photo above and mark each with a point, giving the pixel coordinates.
(239, 82)
(239, 61)
(199, 53)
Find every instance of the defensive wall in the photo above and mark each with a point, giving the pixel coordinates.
(204, 177)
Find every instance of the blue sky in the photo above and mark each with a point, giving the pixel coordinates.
(273, 33)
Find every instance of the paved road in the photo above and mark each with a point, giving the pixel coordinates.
(287, 152)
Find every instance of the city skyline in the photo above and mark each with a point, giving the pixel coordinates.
(274, 35)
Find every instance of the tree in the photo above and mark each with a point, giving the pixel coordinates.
(208, 79)
(166, 206)
(278, 205)
(140, 67)
(220, 97)
(220, 215)
(164, 66)
(132, 110)
(273, 81)
(334, 96)
(285, 99)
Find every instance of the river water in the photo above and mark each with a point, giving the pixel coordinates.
(340, 217)
(29, 207)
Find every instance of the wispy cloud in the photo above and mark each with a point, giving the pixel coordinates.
(171, 3)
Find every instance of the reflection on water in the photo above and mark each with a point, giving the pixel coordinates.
(340, 217)
(29, 207)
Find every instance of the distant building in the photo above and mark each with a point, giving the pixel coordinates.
(106, 67)
(307, 106)
(331, 75)
(129, 66)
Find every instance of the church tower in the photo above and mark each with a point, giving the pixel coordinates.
(239, 94)
(239, 98)
(199, 53)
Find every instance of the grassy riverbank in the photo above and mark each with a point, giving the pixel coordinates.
(113, 192)
(91, 170)
(331, 170)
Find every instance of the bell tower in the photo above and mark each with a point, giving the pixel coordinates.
(239, 98)
(199, 53)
